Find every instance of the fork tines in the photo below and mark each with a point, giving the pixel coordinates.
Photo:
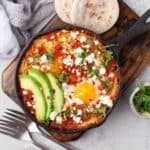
(9, 125)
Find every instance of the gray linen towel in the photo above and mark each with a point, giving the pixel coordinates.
(18, 18)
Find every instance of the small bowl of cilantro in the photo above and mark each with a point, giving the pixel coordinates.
(140, 100)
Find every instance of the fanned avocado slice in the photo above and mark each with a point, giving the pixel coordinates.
(29, 83)
(44, 81)
(58, 97)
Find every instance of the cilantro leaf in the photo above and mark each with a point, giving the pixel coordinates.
(92, 71)
(109, 56)
(49, 56)
(107, 83)
(63, 77)
(85, 112)
(101, 111)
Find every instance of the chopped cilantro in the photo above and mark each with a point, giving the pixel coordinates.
(142, 98)
(85, 112)
(63, 77)
(74, 112)
(101, 111)
(66, 114)
(36, 55)
(49, 56)
(107, 83)
(109, 56)
(82, 54)
(35, 63)
(92, 72)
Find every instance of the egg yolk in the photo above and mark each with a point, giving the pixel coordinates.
(85, 91)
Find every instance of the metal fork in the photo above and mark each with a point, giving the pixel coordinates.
(18, 126)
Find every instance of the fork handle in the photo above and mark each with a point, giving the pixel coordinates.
(44, 143)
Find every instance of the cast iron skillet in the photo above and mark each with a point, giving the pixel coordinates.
(141, 26)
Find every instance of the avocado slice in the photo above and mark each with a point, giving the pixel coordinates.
(29, 83)
(58, 98)
(44, 81)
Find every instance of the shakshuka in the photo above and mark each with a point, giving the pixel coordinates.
(68, 79)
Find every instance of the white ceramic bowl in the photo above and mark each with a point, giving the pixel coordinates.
(143, 115)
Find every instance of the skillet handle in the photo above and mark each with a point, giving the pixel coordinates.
(140, 27)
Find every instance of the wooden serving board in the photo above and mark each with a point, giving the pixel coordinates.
(134, 57)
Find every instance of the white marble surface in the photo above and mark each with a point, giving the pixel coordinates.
(122, 131)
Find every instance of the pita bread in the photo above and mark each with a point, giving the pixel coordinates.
(96, 15)
(63, 9)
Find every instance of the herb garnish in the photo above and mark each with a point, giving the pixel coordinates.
(91, 70)
(85, 112)
(142, 98)
(63, 77)
(109, 46)
(109, 56)
(101, 111)
(74, 112)
(35, 63)
(66, 114)
(36, 55)
(82, 54)
(49, 56)
(107, 83)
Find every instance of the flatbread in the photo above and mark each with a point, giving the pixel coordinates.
(96, 15)
(63, 9)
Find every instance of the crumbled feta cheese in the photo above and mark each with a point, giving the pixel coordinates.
(111, 75)
(43, 67)
(86, 46)
(59, 120)
(53, 115)
(52, 37)
(103, 91)
(106, 101)
(94, 67)
(48, 67)
(64, 51)
(90, 109)
(90, 58)
(73, 34)
(33, 106)
(36, 66)
(78, 101)
(97, 63)
(102, 71)
(77, 119)
(98, 105)
(74, 108)
(24, 92)
(93, 78)
(78, 61)
(29, 104)
(78, 73)
(64, 108)
(43, 58)
(30, 59)
(82, 39)
(78, 50)
(96, 42)
(73, 70)
(68, 61)
(63, 39)
(68, 89)
(79, 112)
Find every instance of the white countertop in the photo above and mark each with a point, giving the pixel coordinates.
(122, 131)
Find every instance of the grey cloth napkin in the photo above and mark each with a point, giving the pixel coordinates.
(19, 18)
